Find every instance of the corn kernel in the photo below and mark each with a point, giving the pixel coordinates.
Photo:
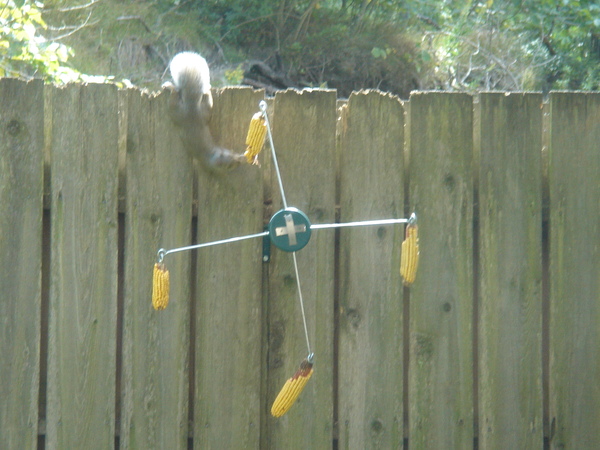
(409, 260)
(292, 389)
(256, 138)
(160, 287)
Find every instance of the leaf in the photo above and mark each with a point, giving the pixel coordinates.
(379, 53)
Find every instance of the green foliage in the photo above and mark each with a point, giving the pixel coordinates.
(381, 52)
(346, 57)
(346, 46)
(401, 45)
(395, 45)
(512, 45)
(24, 52)
(235, 76)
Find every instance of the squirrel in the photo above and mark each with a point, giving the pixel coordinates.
(190, 106)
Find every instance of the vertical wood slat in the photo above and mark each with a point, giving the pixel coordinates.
(84, 260)
(155, 382)
(441, 302)
(510, 308)
(83, 279)
(21, 193)
(574, 168)
(304, 127)
(229, 295)
(370, 309)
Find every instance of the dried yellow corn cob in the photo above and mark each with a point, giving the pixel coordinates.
(256, 138)
(292, 389)
(160, 287)
(409, 260)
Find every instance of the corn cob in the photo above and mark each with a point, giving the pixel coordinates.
(256, 138)
(160, 287)
(292, 389)
(409, 260)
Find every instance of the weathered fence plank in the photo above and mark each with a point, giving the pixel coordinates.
(83, 291)
(238, 341)
(574, 171)
(304, 127)
(155, 384)
(441, 301)
(510, 305)
(370, 304)
(21, 193)
(229, 293)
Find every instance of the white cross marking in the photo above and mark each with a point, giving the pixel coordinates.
(290, 229)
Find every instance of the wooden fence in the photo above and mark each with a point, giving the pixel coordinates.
(495, 346)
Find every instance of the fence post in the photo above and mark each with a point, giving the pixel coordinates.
(370, 381)
(441, 302)
(574, 169)
(83, 289)
(228, 310)
(21, 210)
(304, 132)
(159, 185)
(510, 304)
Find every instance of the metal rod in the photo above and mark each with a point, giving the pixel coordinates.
(364, 223)
(263, 107)
(164, 252)
(320, 226)
(301, 303)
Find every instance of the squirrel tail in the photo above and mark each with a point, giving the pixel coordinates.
(223, 158)
(191, 76)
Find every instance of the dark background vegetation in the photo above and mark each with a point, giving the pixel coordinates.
(393, 45)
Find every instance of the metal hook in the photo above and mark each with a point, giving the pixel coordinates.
(161, 255)
(263, 106)
(412, 220)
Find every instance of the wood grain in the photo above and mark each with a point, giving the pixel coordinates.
(155, 384)
(510, 304)
(230, 348)
(229, 289)
(304, 134)
(21, 194)
(441, 301)
(574, 270)
(371, 302)
(83, 290)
